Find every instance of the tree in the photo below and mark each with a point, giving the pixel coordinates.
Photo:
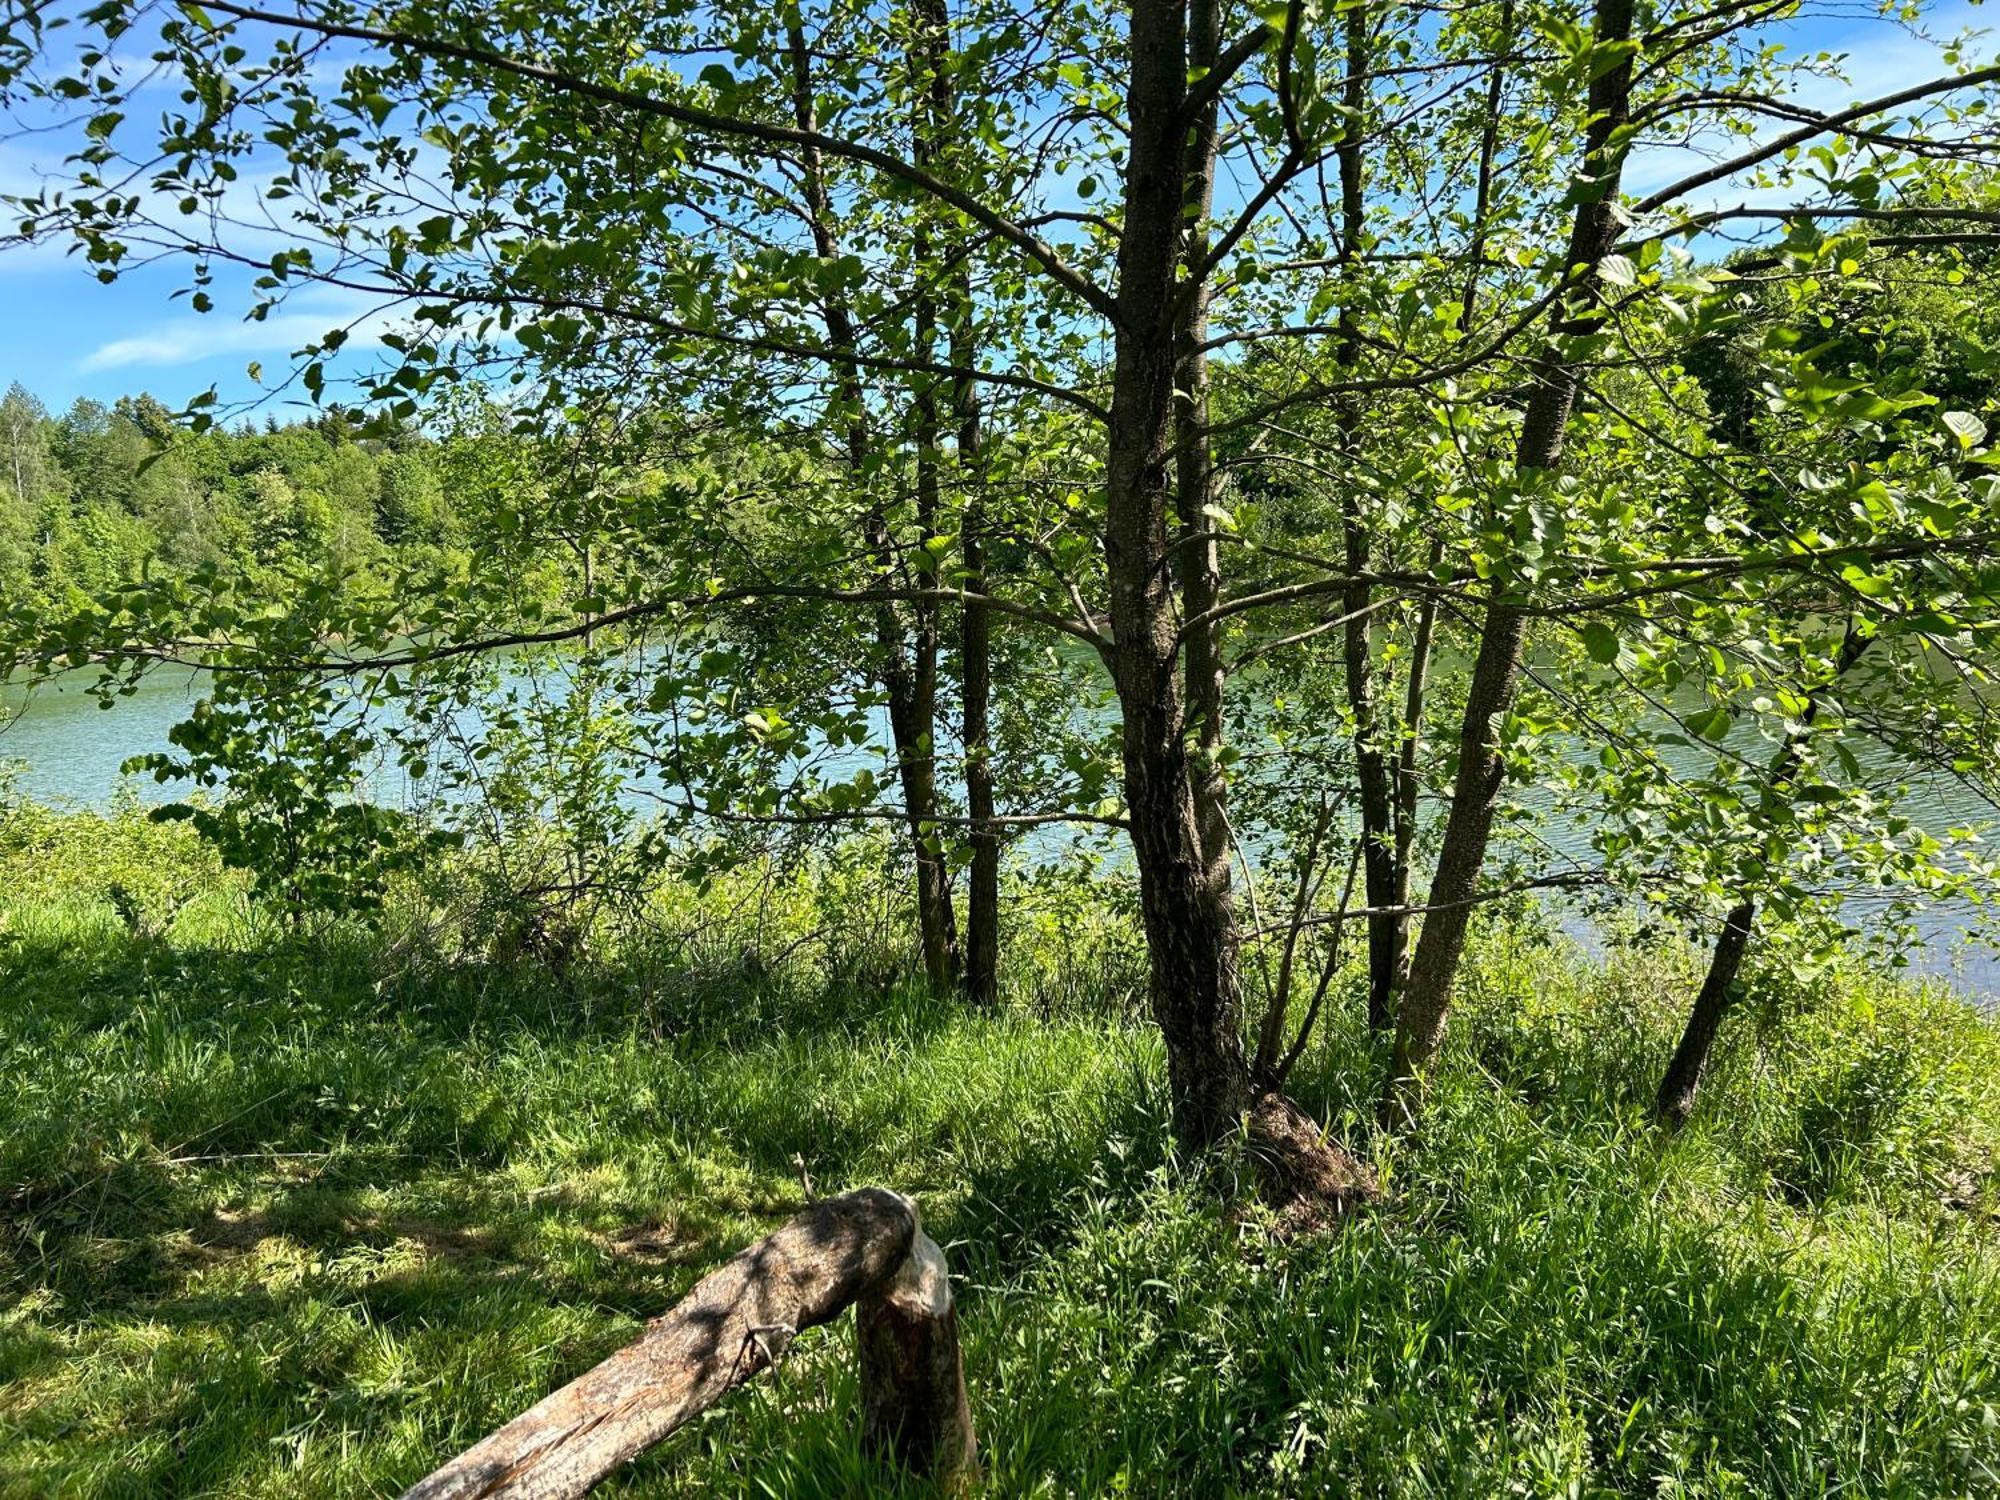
(658, 238)
(29, 477)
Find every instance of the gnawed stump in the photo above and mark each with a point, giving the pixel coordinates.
(864, 1247)
(913, 1406)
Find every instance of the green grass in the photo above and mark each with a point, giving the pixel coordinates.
(302, 1218)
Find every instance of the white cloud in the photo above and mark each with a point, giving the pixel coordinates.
(193, 336)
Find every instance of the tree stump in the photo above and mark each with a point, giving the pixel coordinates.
(913, 1406)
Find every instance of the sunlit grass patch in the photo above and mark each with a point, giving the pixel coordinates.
(289, 1219)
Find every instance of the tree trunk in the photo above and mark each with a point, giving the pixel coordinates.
(908, 677)
(1408, 781)
(1425, 638)
(1191, 932)
(866, 1247)
(1371, 765)
(1496, 669)
(910, 683)
(1192, 938)
(1683, 1077)
(918, 753)
(1197, 490)
(979, 974)
(982, 906)
(1690, 1060)
(913, 1404)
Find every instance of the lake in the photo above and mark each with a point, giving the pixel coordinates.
(71, 751)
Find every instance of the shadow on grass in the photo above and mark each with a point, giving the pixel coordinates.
(271, 1223)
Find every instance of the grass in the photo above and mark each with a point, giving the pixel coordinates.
(303, 1217)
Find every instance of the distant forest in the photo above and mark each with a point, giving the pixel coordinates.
(100, 496)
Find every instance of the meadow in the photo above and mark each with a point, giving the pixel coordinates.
(303, 1213)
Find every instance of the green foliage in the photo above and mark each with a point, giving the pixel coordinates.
(66, 860)
(99, 499)
(300, 1217)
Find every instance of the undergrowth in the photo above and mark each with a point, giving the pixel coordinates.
(303, 1214)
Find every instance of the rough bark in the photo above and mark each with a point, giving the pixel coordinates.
(1197, 489)
(917, 755)
(1423, 642)
(1191, 932)
(908, 679)
(1192, 938)
(1496, 669)
(865, 1246)
(1408, 782)
(1683, 1077)
(982, 902)
(979, 972)
(913, 1404)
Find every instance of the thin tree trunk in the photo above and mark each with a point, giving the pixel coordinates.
(980, 970)
(1371, 765)
(936, 920)
(910, 688)
(1425, 638)
(1496, 670)
(1683, 1077)
(982, 908)
(1408, 782)
(1682, 1081)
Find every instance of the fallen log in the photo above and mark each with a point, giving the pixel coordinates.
(866, 1247)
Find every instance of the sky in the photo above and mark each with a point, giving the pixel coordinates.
(64, 335)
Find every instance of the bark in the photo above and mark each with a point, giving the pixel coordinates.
(982, 909)
(1190, 924)
(1197, 489)
(1192, 939)
(980, 970)
(1496, 669)
(917, 754)
(1683, 1076)
(913, 1404)
(912, 696)
(1371, 765)
(1424, 640)
(909, 679)
(866, 1246)
(1408, 782)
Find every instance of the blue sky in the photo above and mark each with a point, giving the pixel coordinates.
(65, 335)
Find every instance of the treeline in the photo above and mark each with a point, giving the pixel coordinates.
(102, 496)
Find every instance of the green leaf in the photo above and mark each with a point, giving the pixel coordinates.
(1964, 426)
(1711, 724)
(1601, 641)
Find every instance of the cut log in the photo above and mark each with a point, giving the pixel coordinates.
(867, 1246)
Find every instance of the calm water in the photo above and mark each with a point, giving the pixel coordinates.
(71, 751)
